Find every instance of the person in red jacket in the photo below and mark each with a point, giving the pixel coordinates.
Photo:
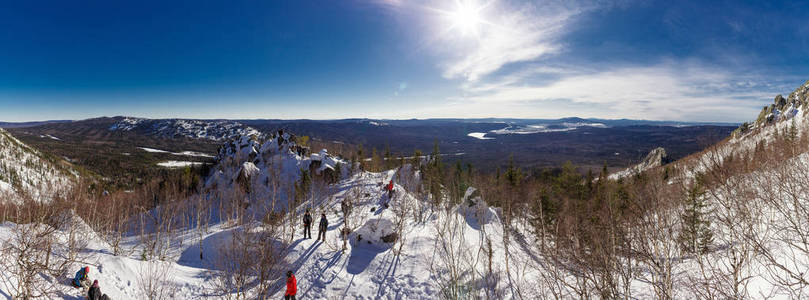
(292, 286)
(389, 188)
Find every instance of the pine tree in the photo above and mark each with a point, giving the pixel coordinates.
(302, 187)
(416, 160)
(792, 134)
(461, 180)
(604, 172)
(388, 158)
(513, 173)
(361, 158)
(338, 172)
(434, 174)
(435, 160)
(696, 235)
(376, 161)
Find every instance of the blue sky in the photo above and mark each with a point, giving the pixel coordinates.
(664, 60)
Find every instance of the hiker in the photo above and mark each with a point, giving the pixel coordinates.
(324, 225)
(292, 286)
(344, 235)
(346, 208)
(389, 188)
(95, 292)
(81, 279)
(307, 225)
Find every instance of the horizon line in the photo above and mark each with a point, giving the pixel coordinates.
(361, 118)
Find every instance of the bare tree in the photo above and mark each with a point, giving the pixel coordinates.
(783, 238)
(153, 280)
(725, 272)
(452, 266)
(654, 236)
(36, 254)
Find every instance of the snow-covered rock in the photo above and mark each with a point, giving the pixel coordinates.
(271, 167)
(378, 233)
(782, 109)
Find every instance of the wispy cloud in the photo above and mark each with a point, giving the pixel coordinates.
(669, 90)
(508, 34)
(516, 64)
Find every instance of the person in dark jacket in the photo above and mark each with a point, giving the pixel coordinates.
(292, 286)
(324, 225)
(307, 225)
(95, 292)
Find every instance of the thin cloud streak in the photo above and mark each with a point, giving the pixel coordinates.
(509, 35)
(665, 91)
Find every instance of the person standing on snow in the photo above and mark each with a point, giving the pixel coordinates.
(389, 188)
(324, 225)
(307, 225)
(292, 286)
(346, 208)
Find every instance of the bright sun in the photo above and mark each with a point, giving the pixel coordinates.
(466, 18)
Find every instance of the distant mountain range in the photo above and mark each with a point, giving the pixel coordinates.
(386, 122)
(486, 143)
(29, 124)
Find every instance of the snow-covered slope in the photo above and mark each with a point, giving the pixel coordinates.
(391, 254)
(786, 117)
(405, 247)
(374, 264)
(399, 248)
(27, 173)
(195, 129)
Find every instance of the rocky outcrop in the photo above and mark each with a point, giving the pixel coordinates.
(782, 108)
(656, 158)
(268, 169)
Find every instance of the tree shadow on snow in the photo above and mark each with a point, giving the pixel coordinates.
(390, 272)
(361, 258)
(305, 256)
(320, 271)
(62, 295)
(211, 246)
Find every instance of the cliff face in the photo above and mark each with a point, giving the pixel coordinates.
(781, 109)
(657, 157)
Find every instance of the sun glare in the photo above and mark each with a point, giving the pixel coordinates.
(466, 18)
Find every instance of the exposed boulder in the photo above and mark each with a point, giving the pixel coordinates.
(377, 233)
(246, 175)
(780, 101)
(657, 157)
